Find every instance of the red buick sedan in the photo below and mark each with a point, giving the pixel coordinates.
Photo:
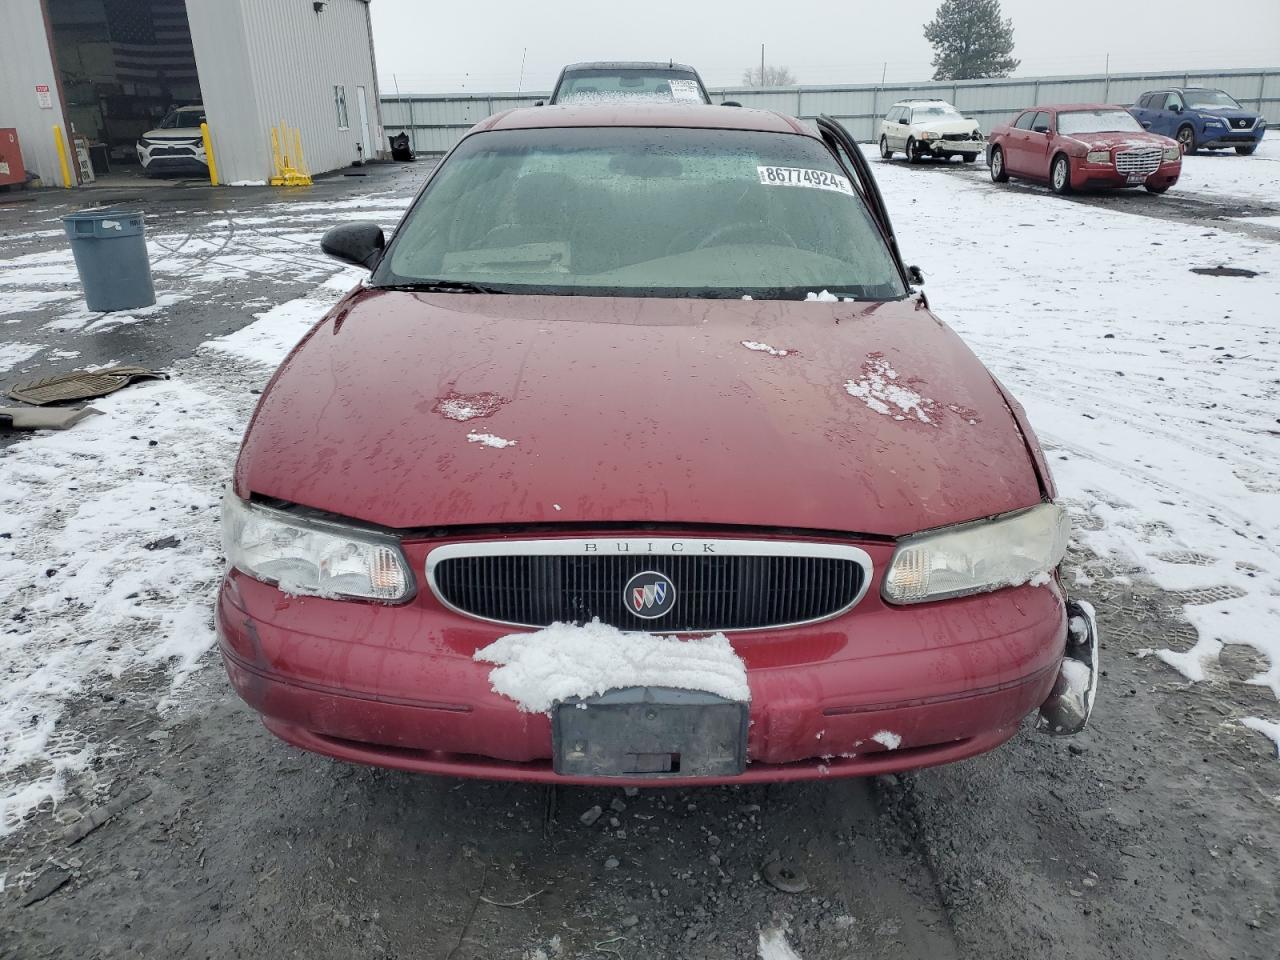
(638, 459)
(1083, 146)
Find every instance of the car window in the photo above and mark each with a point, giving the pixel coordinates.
(892, 115)
(1024, 121)
(1041, 121)
(1097, 121)
(1172, 100)
(654, 212)
(900, 115)
(596, 84)
(1211, 100)
(935, 111)
(1145, 100)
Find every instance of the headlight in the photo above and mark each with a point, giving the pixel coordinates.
(1173, 153)
(1099, 156)
(978, 557)
(1208, 119)
(312, 557)
(925, 134)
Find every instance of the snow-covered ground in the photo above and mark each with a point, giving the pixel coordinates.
(1220, 173)
(1154, 388)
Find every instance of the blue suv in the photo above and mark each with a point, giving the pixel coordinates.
(1200, 118)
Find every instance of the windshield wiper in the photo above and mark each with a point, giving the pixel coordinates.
(439, 286)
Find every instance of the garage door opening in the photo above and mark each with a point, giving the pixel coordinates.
(128, 68)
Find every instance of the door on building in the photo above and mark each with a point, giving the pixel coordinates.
(366, 139)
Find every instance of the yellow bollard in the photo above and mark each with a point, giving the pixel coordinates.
(208, 154)
(62, 156)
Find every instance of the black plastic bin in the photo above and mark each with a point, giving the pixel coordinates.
(110, 247)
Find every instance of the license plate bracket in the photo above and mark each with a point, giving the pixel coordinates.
(650, 732)
(1137, 177)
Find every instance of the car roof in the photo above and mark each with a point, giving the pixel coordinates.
(645, 114)
(924, 100)
(1069, 107)
(630, 65)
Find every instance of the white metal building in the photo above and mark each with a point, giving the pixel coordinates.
(108, 70)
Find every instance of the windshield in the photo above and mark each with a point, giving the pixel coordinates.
(934, 111)
(183, 117)
(1210, 100)
(643, 212)
(1097, 121)
(627, 84)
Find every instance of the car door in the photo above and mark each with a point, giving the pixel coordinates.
(1166, 113)
(1035, 148)
(1141, 109)
(886, 126)
(1016, 142)
(895, 127)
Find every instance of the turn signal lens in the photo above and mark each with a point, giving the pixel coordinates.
(978, 557)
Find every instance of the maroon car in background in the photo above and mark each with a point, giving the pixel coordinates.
(1082, 146)
(624, 376)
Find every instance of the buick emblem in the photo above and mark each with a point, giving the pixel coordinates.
(649, 595)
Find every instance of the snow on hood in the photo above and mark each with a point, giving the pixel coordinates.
(551, 665)
(947, 125)
(636, 410)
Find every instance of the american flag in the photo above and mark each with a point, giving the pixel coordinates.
(151, 41)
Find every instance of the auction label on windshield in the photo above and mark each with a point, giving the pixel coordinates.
(799, 177)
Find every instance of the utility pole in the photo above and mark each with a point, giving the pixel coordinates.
(523, 58)
(762, 64)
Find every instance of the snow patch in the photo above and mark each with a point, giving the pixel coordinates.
(887, 739)
(12, 354)
(1265, 727)
(765, 348)
(463, 406)
(881, 390)
(774, 946)
(564, 660)
(489, 440)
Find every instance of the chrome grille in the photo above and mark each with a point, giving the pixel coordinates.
(1145, 161)
(719, 584)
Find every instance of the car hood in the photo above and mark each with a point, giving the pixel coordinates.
(877, 419)
(961, 125)
(174, 133)
(1122, 140)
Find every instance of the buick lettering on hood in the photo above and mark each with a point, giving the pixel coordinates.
(637, 461)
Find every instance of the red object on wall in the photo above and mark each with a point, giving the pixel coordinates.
(11, 168)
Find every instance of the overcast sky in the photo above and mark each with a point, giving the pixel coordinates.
(430, 47)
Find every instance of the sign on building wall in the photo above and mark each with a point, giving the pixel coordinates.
(44, 97)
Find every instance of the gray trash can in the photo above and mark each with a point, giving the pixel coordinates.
(110, 248)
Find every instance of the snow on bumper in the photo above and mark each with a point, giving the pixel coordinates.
(399, 686)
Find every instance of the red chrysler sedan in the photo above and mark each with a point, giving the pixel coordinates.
(638, 459)
(1083, 146)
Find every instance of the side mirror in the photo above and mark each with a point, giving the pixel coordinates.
(1176, 108)
(360, 244)
(915, 276)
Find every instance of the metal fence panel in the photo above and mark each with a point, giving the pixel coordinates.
(437, 122)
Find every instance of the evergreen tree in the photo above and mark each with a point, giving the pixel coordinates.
(970, 40)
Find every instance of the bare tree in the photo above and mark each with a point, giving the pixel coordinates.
(773, 77)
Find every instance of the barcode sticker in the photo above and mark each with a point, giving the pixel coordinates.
(800, 177)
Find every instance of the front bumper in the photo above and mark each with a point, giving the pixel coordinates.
(954, 146)
(1085, 175)
(1217, 138)
(398, 687)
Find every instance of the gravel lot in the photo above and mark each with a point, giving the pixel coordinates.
(1152, 835)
